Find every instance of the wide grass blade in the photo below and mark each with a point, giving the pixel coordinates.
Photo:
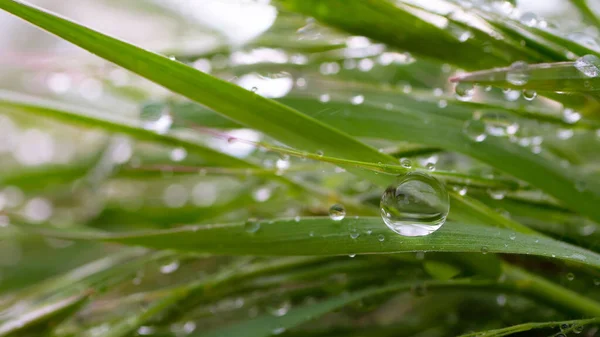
(325, 237)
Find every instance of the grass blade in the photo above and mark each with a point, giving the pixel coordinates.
(325, 237)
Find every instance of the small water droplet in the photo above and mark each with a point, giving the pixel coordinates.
(337, 212)
(511, 95)
(570, 276)
(529, 19)
(589, 65)
(475, 130)
(496, 194)
(351, 255)
(406, 163)
(354, 235)
(251, 226)
(170, 267)
(430, 166)
(178, 154)
(254, 89)
(501, 300)
(358, 99)
(512, 236)
(156, 118)
(570, 116)
(529, 95)
(597, 282)
(319, 153)
(484, 249)
(518, 73)
(297, 218)
(278, 331)
(416, 206)
(464, 91)
(381, 237)
(577, 328)
(280, 309)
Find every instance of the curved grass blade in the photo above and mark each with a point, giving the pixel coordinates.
(267, 325)
(51, 313)
(274, 119)
(574, 325)
(325, 237)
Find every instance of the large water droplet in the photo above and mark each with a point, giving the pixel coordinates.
(416, 206)
(337, 212)
(589, 65)
(475, 130)
(518, 74)
(280, 309)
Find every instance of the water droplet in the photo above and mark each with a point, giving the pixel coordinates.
(460, 190)
(529, 95)
(475, 130)
(518, 73)
(278, 331)
(501, 300)
(324, 98)
(254, 89)
(570, 116)
(564, 327)
(442, 103)
(430, 166)
(496, 194)
(251, 226)
(337, 212)
(381, 237)
(512, 236)
(416, 206)
(297, 218)
(280, 309)
(351, 255)
(529, 19)
(178, 154)
(484, 249)
(511, 95)
(589, 65)
(577, 328)
(319, 153)
(358, 99)
(597, 282)
(170, 267)
(406, 163)
(570, 276)
(464, 91)
(156, 118)
(354, 235)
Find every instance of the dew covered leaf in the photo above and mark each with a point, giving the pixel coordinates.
(326, 237)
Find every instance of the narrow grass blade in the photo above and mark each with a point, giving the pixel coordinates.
(576, 325)
(577, 77)
(51, 313)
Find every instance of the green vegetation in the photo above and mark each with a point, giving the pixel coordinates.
(246, 199)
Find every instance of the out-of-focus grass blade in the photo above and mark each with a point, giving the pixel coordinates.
(572, 325)
(267, 325)
(51, 313)
(580, 76)
(323, 236)
(276, 120)
(111, 123)
(387, 21)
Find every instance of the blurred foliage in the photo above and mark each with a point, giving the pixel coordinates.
(229, 182)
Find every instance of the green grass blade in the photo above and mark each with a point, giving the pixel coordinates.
(560, 76)
(572, 326)
(49, 314)
(325, 237)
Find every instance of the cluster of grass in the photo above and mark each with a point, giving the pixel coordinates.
(205, 212)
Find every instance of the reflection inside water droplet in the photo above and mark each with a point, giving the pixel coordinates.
(416, 206)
